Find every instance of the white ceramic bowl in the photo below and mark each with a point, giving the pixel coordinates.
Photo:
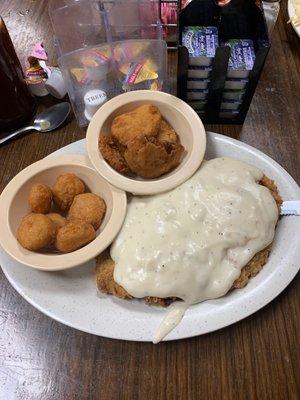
(180, 115)
(14, 205)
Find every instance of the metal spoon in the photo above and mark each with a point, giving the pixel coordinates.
(47, 121)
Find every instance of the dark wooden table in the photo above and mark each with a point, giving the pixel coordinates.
(257, 358)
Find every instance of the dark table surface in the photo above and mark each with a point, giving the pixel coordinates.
(257, 358)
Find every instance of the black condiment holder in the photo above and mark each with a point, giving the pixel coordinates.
(240, 19)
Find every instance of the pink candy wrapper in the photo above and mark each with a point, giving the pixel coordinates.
(39, 52)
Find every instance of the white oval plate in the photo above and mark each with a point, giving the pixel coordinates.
(71, 296)
(291, 13)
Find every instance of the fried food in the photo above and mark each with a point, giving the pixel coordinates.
(66, 187)
(270, 184)
(40, 198)
(74, 235)
(112, 153)
(141, 143)
(143, 121)
(167, 133)
(252, 268)
(43, 228)
(58, 220)
(105, 277)
(89, 208)
(106, 284)
(150, 158)
(259, 260)
(36, 231)
(105, 265)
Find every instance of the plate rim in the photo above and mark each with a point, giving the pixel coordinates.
(291, 13)
(251, 310)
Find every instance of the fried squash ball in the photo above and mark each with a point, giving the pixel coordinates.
(36, 231)
(66, 187)
(89, 208)
(40, 198)
(73, 235)
(58, 220)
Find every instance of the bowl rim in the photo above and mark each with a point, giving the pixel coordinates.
(159, 185)
(65, 261)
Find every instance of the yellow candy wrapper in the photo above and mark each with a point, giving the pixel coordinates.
(95, 57)
(130, 50)
(156, 85)
(137, 72)
(79, 74)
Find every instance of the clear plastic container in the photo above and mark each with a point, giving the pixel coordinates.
(115, 46)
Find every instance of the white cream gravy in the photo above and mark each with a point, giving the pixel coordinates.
(192, 242)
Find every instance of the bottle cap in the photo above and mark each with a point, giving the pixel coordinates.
(93, 100)
(56, 85)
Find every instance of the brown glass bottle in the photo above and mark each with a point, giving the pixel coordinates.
(17, 104)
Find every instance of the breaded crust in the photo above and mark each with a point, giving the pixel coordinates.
(259, 260)
(105, 265)
(167, 133)
(144, 120)
(150, 158)
(111, 152)
(105, 277)
(106, 284)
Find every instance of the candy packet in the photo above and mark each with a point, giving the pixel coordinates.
(137, 73)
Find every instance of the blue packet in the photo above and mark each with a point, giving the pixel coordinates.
(242, 57)
(201, 42)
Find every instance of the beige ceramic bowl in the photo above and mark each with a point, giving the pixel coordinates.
(13, 206)
(180, 115)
